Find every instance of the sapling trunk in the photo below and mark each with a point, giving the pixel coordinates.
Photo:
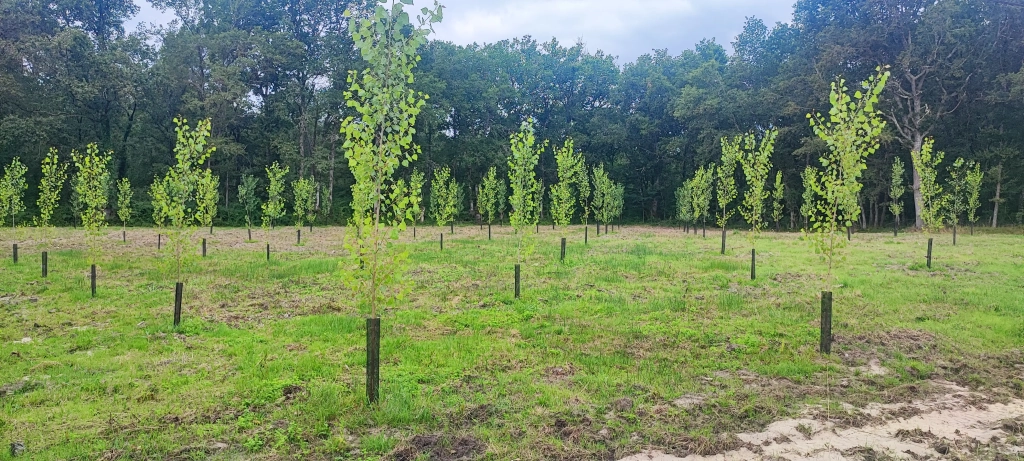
(452, 229)
(250, 233)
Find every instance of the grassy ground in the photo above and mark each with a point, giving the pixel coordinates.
(643, 338)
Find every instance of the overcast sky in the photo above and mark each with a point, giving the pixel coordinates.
(625, 29)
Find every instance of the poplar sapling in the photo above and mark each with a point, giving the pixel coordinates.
(926, 162)
(700, 194)
(124, 202)
(92, 182)
(778, 199)
(273, 208)
(851, 131)
(12, 191)
(247, 197)
(896, 191)
(974, 178)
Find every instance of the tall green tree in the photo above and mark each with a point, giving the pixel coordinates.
(303, 200)
(12, 191)
(778, 199)
(932, 202)
(444, 197)
(50, 185)
(124, 201)
(378, 140)
(92, 183)
(273, 208)
(701, 192)
(488, 196)
(851, 131)
(522, 179)
(248, 198)
(756, 161)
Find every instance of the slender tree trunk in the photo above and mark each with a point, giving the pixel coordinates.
(999, 188)
(918, 198)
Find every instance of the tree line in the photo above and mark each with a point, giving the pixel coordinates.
(271, 77)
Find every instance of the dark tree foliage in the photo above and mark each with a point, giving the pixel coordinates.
(270, 75)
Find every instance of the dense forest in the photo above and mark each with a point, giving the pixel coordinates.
(270, 75)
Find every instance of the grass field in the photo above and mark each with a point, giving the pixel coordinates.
(644, 338)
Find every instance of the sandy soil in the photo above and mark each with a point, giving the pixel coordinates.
(953, 425)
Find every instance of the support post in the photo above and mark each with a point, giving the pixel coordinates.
(372, 359)
(92, 279)
(517, 281)
(45, 268)
(563, 249)
(826, 323)
(753, 264)
(929, 253)
(178, 287)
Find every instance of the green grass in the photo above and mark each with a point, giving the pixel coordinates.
(269, 360)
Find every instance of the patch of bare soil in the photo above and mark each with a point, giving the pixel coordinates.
(955, 425)
(440, 448)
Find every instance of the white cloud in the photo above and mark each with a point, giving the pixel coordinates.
(625, 29)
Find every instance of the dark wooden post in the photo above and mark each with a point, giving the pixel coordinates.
(45, 268)
(204, 248)
(826, 323)
(563, 249)
(753, 264)
(15, 253)
(92, 279)
(929, 253)
(517, 281)
(372, 359)
(178, 287)
(723, 240)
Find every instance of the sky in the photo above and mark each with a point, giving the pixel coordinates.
(626, 29)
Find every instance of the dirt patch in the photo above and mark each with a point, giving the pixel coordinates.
(440, 448)
(949, 425)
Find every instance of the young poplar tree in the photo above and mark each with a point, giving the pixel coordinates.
(522, 179)
(778, 200)
(124, 202)
(273, 208)
(247, 197)
(756, 161)
(416, 193)
(178, 195)
(926, 162)
(159, 199)
(92, 182)
(896, 191)
(618, 200)
(378, 140)
(974, 178)
(501, 194)
(684, 202)
(807, 198)
(12, 190)
(602, 195)
(700, 194)
(444, 197)
(957, 199)
(487, 199)
(50, 185)
(725, 176)
(581, 180)
(851, 130)
(303, 193)
(207, 196)
(563, 194)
